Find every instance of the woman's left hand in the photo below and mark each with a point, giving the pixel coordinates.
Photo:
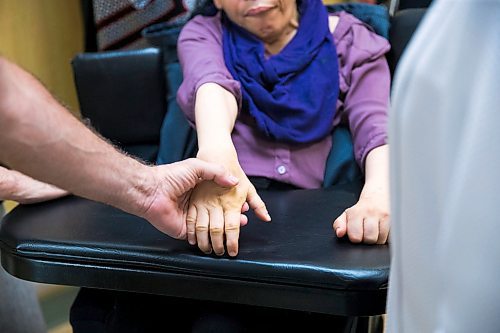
(368, 221)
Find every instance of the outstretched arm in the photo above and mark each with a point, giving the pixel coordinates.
(214, 212)
(42, 139)
(209, 97)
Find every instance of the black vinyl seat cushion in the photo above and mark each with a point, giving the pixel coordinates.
(295, 262)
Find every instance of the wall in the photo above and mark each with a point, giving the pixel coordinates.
(43, 36)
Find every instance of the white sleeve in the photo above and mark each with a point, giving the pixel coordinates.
(445, 167)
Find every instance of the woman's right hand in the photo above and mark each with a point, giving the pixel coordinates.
(214, 212)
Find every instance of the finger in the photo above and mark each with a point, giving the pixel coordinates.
(370, 230)
(245, 207)
(384, 227)
(354, 226)
(217, 229)
(191, 224)
(202, 223)
(214, 172)
(256, 203)
(340, 225)
(232, 229)
(243, 220)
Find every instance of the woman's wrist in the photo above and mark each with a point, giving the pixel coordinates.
(215, 141)
(217, 151)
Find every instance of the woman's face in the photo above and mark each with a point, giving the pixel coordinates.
(267, 19)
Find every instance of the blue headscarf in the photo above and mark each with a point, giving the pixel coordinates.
(292, 95)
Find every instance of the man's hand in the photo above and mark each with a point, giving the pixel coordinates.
(24, 189)
(167, 204)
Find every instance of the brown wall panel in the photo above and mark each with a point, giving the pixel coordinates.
(43, 36)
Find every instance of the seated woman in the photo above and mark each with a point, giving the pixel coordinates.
(265, 83)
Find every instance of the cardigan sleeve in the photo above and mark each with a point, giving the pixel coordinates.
(364, 82)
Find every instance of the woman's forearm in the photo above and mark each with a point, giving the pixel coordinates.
(216, 111)
(377, 170)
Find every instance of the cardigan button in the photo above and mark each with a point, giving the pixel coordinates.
(281, 169)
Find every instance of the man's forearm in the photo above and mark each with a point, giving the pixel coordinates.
(42, 139)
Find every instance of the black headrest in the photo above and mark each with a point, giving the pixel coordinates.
(122, 93)
(405, 4)
(403, 25)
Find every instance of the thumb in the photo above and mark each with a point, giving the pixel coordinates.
(256, 203)
(340, 225)
(214, 172)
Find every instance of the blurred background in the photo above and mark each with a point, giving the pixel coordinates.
(43, 36)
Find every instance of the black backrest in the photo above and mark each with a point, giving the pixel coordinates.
(403, 25)
(123, 94)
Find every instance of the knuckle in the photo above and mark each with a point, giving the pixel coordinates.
(355, 237)
(216, 231)
(232, 227)
(201, 228)
(350, 212)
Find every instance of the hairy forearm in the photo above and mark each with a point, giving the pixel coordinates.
(216, 110)
(377, 169)
(41, 139)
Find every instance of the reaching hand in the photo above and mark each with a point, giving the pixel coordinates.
(215, 212)
(18, 187)
(167, 204)
(368, 221)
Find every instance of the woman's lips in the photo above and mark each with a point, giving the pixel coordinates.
(258, 10)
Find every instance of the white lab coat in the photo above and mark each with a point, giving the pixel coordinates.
(445, 173)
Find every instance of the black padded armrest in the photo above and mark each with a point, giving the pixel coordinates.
(295, 262)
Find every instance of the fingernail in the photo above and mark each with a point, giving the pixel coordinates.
(191, 241)
(232, 253)
(233, 179)
(268, 217)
